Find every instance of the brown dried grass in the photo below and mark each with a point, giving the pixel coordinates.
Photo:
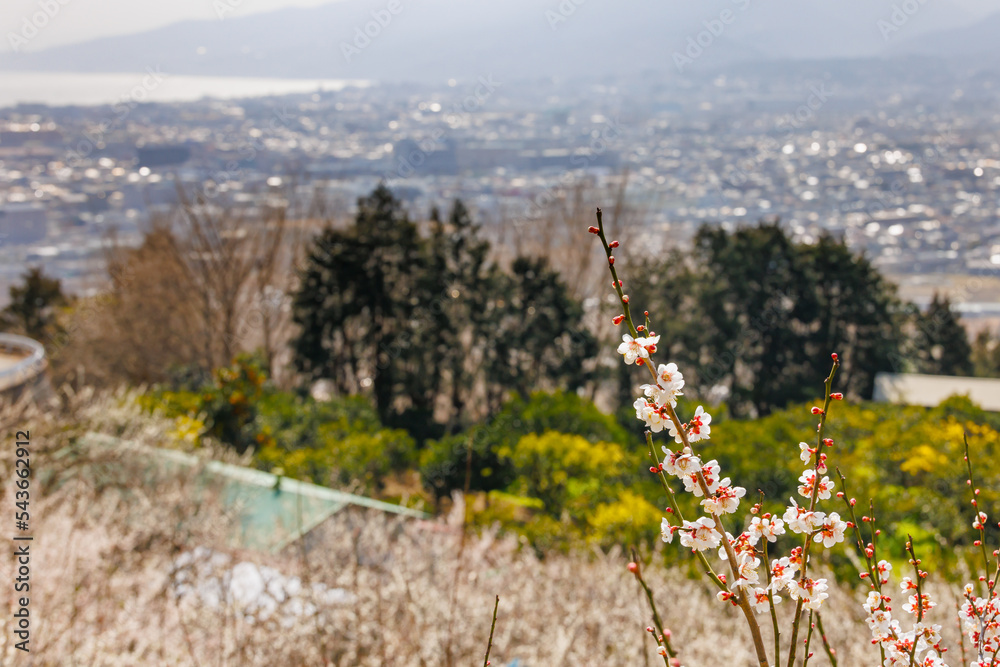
(105, 592)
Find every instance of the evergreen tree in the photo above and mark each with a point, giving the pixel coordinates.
(852, 310)
(440, 335)
(356, 301)
(942, 344)
(759, 314)
(33, 304)
(536, 335)
(456, 283)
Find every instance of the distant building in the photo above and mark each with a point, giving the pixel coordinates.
(930, 390)
(14, 139)
(162, 156)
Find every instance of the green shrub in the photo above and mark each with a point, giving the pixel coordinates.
(444, 462)
(562, 469)
(910, 460)
(340, 441)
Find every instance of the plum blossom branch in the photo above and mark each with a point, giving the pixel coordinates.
(660, 634)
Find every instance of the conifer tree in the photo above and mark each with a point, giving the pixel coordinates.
(33, 304)
(942, 344)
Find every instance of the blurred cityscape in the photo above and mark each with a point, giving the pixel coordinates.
(908, 175)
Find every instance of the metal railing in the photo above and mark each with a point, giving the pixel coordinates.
(25, 369)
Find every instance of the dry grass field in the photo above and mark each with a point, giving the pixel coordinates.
(127, 569)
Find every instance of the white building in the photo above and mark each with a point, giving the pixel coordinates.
(930, 390)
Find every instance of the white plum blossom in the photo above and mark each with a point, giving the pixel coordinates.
(710, 471)
(922, 643)
(831, 531)
(700, 535)
(698, 427)
(634, 349)
(746, 567)
(667, 531)
(873, 601)
(760, 602)
(896, 658)
(669, 382)
(932, 659)
(657, 396)
(726, 499)
(812, 592)
(782, 573)
(650, 414)
(880, 623)
(884, 568)
(805, 452)
(767, 526)
(821, 466)
(669, 378)
(801, 520)
(808, 479)
(911, 606)
(686, 463)
(670, 461)
(739, 544)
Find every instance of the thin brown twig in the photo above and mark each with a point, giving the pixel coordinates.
(662, 638)
(493, 625)
(830, 653)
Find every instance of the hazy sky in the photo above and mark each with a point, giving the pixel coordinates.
(81, 20)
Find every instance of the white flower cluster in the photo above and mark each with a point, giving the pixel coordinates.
(828, 529)
(720, 497)
(653, 409)
(981, 622)
(923, 641)
(919, 646)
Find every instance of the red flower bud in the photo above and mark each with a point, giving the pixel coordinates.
(613, 244)
(611, 260)
(640, 328)
(837, 397)
(817, 411)
(618, 319)
(835, 358)
(625, 298)
(594, 230)
(633, 568)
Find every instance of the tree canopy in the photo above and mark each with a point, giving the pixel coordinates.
(437, 333)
